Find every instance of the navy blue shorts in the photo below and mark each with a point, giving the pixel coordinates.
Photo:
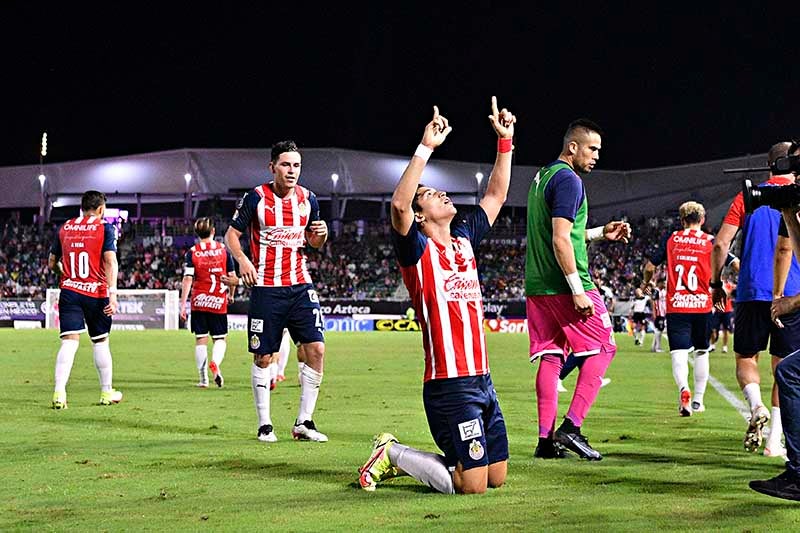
(205, 323)
(465, 421)
(660, 323)
(688, 330)
(295, 308)
(754, 328)
(78, 312)
(722, 321)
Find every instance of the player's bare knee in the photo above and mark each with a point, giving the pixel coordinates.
(262, 360)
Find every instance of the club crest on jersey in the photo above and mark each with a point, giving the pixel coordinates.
(470, 429)
(255, 342)
(302, 209)
(476, 450)
(256, 325)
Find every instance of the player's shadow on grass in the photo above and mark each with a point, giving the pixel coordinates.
(708, 459)
(142, 425)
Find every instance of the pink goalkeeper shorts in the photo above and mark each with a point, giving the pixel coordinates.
(555, 327)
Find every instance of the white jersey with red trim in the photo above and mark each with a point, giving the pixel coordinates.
(445, 291)
(277, 229)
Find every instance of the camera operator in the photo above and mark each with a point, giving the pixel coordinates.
(755, 292)
(787, 376)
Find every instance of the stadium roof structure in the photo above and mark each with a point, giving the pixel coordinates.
(159, 177)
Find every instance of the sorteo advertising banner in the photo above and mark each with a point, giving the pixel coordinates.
(21, 309)
(505, 325)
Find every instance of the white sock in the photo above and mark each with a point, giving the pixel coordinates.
(283, 351)
(776, 429)
(102, 362)
(752, 394)
(656, 340)
(201, 361)
(273, 371)
(310, 381)
(259, 378)
(64, 360)
(701, 371)
(427, 468)
(218, 351)
(300, 367)
(680, 368)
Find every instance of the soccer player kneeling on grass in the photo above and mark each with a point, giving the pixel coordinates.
(206, 274)
(439, 269)
(85, 254)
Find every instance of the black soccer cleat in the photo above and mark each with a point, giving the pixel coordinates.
(549, 449)
(785, 485)
(569, 436)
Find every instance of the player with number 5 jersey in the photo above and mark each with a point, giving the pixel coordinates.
(280, 218)
(688, 255)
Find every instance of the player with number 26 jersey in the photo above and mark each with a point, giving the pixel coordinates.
(689, 271)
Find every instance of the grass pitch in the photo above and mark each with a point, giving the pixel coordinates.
(174, 457)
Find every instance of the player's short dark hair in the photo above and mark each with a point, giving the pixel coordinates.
(203, 227)
(415, 207)
(92, 200)
(281, 148)
(583, 125)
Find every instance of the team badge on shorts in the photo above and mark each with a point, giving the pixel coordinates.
(255, 342)
(476, 450)
(470, 429)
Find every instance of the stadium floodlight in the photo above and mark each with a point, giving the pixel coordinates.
(42, 179)
(334, 179)
(479, 177)
(44, 144)
(188, 178)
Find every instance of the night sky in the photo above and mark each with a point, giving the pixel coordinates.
(671, 86)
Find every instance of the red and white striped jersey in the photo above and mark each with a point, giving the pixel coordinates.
(277, 229)
(446, 294)
(206, 262)
(689, 271)
(80, 246)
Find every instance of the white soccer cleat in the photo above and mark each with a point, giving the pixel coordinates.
(754, 435)
(560, 387)
(308, 431)
(698, 407)
(604, 382)
(267, 434)
(775, 451)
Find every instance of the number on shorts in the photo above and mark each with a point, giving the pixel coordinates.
(317, 318)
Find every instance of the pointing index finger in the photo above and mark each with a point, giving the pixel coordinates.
(435, 113)
(495, 112)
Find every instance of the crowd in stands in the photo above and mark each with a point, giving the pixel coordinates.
(357, 262)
